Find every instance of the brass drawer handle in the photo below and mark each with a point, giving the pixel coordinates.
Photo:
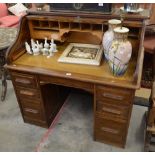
(113, 131)
(43, 82)
(111, 111)
(120, 98)
(25, 92)
(31, 110)
(24, 81)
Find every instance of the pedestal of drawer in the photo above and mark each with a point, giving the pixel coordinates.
(113, 107)
(30, 104)
(31, 107)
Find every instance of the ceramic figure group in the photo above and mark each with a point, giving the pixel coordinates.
(37, 48)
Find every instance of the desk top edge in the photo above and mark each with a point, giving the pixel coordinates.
(75, 76)
(114, 14)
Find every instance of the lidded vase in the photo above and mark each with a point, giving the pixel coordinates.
(120, 51)
(109, 35)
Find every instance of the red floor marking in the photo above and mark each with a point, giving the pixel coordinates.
(49, 131)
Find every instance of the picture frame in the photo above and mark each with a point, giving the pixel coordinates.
(78, 53)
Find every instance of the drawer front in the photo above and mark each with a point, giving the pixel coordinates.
(32, 111)
(110, 131)
(67, 82)
(38, 122)
(24, 80)
(26, 101)
(114, 94)
(27, 93)
(112, 109)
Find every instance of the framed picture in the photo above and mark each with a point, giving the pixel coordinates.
(82, 54)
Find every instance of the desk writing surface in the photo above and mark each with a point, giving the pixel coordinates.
(101, 72)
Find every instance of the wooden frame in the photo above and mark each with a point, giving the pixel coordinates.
(82, 54)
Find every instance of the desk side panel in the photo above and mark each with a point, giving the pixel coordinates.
(15, 51)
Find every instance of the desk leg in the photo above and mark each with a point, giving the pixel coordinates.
(4, 84)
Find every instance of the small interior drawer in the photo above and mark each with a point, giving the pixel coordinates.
(112, 109)
(114, 94)
(25, 80)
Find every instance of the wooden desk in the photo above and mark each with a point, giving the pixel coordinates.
(42, 84)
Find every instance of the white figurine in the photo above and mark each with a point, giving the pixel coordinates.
(40, 45)
(44, 51)
(28, 49)
(32, 43)
(46, 45)
(53, 45)
(36, 50)
(46, 48)
(51, 50)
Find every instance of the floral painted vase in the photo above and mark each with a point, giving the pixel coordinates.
(109, 36)
(120, 51)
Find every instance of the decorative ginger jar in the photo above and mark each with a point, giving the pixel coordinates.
(120, 51)
(109, 36)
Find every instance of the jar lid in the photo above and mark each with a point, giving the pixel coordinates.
(121, 30)
(114, 21)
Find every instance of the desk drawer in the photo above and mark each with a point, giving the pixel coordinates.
(32, 111)
(28, 93)
(114, 94)
(110, 131)
(113, 110)
(67, 82)
(26, 101)
(25, 80)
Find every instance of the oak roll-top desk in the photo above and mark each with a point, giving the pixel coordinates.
(42, 84)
